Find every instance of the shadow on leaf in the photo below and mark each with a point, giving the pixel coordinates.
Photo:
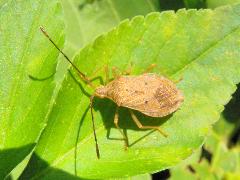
(179, 4)
(232, 115)
(36, 164)
(10, 158)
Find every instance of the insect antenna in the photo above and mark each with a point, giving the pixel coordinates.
(84, 78)
(82, 75)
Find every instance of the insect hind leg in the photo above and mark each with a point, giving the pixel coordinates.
(139, 124)
(116, 120)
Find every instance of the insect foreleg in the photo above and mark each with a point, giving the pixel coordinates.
(139, 125)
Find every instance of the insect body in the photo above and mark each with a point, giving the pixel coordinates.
(152, 95)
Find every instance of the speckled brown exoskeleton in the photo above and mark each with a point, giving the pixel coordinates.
(149, 93)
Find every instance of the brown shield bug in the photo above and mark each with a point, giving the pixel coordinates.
(148, 93)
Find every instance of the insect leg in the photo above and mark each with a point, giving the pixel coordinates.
(107, 75)
(94, 77)
(116, 72)
(138, 123)
(178, 80)
(128, 71)
(95, 72)
(149, 68)
(116, 118)
(93, 125)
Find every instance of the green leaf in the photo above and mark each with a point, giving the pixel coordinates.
(85, 21)
(222, 161)
(201, 47)
(227, 127)
(216, 3)
(27, 66)
(226, 154)
(183, 169)
(17, 171)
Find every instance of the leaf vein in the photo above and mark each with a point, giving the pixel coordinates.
(208, 49)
